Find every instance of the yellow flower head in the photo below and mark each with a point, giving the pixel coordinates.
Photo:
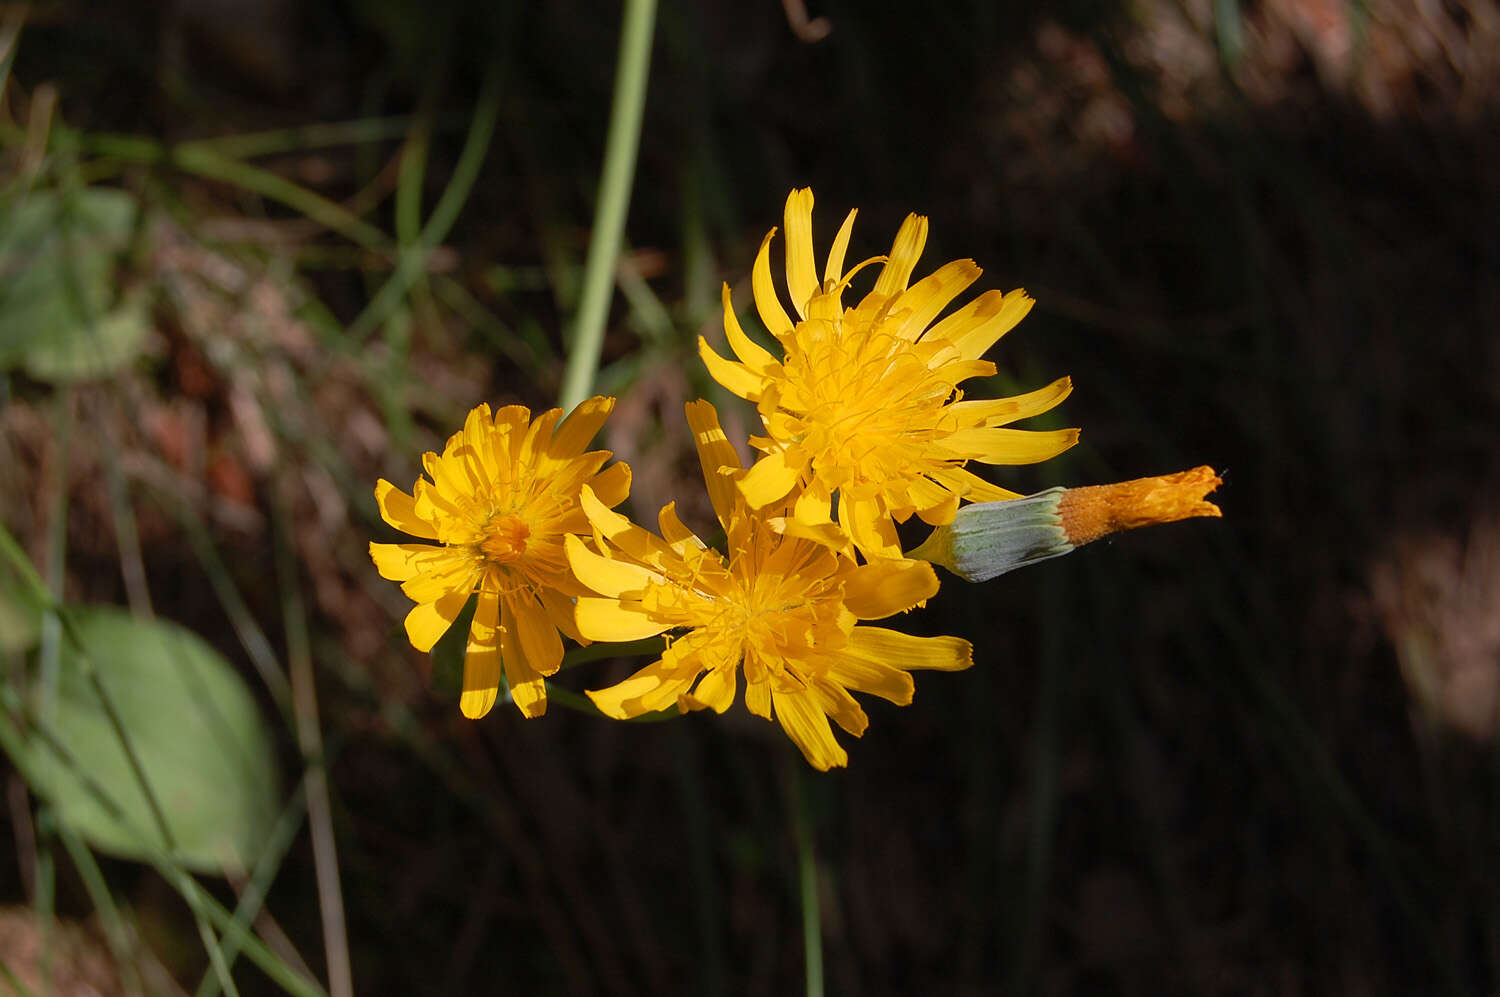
(785, 607)
(502, 497)
(865, 404)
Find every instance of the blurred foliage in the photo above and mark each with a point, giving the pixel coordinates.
(254, 256)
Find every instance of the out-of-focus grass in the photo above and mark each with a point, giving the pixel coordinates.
(1183, 761)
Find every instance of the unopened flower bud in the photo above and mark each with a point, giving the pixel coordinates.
(987, 539)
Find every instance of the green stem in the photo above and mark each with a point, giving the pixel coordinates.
(807, 886)
(614, 200)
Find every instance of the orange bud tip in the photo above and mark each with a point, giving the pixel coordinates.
(1099, 510)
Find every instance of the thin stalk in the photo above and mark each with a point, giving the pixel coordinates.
(116, 935)
(14, 982)
(252, 638)
(127, 538)
(412, 260)
(253, 897)
(807, 884)
(322, 135)
(310, 741)
(587, 341)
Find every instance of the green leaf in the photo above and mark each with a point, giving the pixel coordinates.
(59, 317)
(191, 722)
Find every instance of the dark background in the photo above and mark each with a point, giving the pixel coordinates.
(1248, 755)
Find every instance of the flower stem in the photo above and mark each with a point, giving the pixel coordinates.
(807, 882)
(614, 200)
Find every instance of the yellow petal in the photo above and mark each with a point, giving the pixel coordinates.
(769, 480)
(941, 514)
(758, 698)
(398, 562)
(716, 690)
(561, 612)
(634, 541)
(833, 272)
(451, 472)
(872, 676)
(612, 485)
(430, 620)
(482, 659)
(801, 270)
(606, 575)
(538, 439)
(540, 642)
(737, 378)
(971, 486)
(446, 570)
(675, 532)
(582, 424)
(766, 302)
(510, 426)
(974, 328)
(1008, 446)
(934, 503)
(714, 452)
(814, 506)
(869, 525)
(905, 252)
(648, 690)
(835, 701)
(885, 587)
(930, 295)
(899, 650)
(612, 620)
(477, 446)
(1000, 411)
(527, 688)
(807, 725)
(751, 354)
(399, 510)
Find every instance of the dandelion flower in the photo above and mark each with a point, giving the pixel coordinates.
(784, 609)
(502, 497)
(865, 404)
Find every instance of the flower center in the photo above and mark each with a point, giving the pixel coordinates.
(504, 538)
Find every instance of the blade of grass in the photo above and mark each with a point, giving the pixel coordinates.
(252, 899)
(412, 260)
(14, 982)
(310, 741)
(116, 935)
(587, 342)
(208, 164)
(319, 135)
(252, 638)
(127, 539)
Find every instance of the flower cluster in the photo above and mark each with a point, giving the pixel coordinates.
(865, 426)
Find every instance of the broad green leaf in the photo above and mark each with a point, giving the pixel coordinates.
(59, 317)
(192, 723)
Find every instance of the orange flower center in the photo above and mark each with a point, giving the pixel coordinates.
(504, 538)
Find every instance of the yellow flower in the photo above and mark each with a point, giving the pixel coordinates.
(503, 496)
(784, 607)
(865, 405)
